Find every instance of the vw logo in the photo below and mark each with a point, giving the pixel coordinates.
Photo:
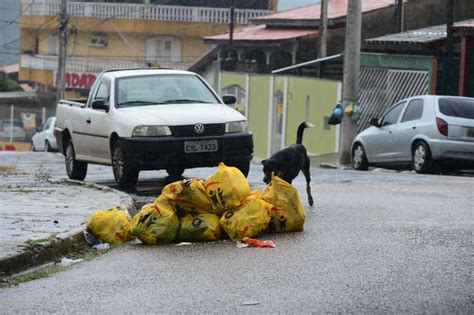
(199, 128)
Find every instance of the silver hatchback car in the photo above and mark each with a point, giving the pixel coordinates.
(421, 131)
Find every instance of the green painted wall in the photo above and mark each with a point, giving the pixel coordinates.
(406, 62)
(322, 94)
(322, 98)
(258, 113)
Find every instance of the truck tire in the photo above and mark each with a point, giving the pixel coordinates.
(75, 169)
(125, 172)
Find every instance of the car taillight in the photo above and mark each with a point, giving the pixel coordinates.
(442, 126)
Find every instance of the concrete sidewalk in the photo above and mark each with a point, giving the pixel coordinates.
(39, 207)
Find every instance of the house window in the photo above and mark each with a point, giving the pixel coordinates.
(98, 41)
(163, 49)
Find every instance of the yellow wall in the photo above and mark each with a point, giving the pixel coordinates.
(40, 76)
(135, 33)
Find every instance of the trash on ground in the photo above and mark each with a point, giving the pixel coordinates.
(111, 225)
(66, 262)
(240, 244)
(90, 238)
(199, 228)
(251, 303)
(227, 188)
(188, 196)
(155, 223)
(194, 210)
(101, 246)
(287, 213)
(251, 242)
(251, 219)
(183, 244)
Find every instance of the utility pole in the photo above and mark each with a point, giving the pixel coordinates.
(351, 77)
(323, 29)
(399, 17)
(449, 27)
(61, 75)
(231, 29)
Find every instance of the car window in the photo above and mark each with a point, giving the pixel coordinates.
(414, 111)
(392, 115)
(103, 92)
(47, 125)
(457, 107)
(162, 89)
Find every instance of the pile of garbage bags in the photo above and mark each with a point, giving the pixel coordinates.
(195, 210)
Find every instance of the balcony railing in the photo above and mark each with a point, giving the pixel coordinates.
(88, 64)
(140, 11)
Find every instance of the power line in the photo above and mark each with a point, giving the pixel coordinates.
(23, 11)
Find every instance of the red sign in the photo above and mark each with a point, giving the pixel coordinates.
(77, 80)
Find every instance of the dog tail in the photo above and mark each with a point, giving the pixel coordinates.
(301, 128)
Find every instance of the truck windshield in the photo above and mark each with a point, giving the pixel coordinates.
(162, 89)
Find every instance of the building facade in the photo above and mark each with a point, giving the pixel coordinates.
(104, 35)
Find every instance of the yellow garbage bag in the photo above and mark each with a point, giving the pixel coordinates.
(227, 188)
(199, 228)
(110, 225)
(188, 197)
(287, 213)
(155, 223)
(249, 220)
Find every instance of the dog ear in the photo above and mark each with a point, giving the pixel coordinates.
(264, 161)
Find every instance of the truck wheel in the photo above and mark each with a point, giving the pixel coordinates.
(75, 169)
(125, 172)
(175, 171)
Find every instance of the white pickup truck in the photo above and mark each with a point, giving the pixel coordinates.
(151, 119)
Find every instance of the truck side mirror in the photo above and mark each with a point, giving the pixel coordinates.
(229, 99)
(100, 104)
(374, 122)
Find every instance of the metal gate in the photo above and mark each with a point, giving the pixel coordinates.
(380, 88)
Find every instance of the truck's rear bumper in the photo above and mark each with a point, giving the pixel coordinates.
(168, 152)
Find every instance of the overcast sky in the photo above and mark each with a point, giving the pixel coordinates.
(288, 4)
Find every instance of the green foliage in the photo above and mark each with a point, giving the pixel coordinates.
(8, 85)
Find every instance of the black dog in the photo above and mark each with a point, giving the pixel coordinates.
(287, 163)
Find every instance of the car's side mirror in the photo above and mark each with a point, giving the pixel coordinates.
(229, 99)
(374, 122)
(100, 104)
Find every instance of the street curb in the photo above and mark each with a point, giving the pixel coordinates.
(61, 244)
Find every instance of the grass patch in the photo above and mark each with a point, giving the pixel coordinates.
(39, 241)
(82, 251)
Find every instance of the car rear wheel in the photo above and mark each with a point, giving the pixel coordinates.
(421, 158)
(75, 169)
(125, 172)
(359, 159)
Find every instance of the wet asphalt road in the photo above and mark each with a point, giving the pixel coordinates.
(378, 242)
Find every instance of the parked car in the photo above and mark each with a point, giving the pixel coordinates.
(44, 139)
(151, 119)
(12, 128)
(423, 132)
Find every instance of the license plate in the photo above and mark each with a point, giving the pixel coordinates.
(200, 146)
(470, 132)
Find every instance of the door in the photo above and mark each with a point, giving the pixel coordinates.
(404, 131)
(96, 120)
(380, 143)
(277, 122)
